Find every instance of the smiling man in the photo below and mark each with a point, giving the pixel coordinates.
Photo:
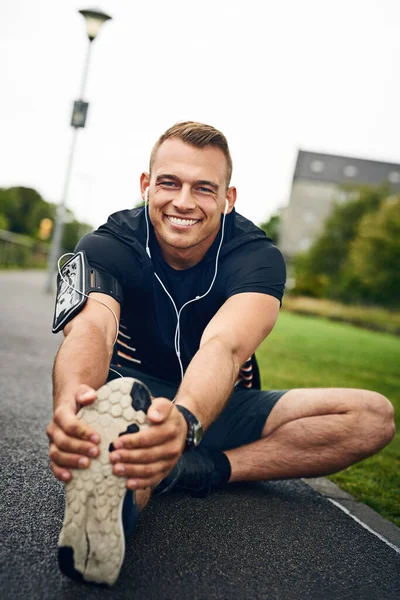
(181, 294)
(186, 208)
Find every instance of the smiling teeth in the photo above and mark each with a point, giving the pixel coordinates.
(177, 221)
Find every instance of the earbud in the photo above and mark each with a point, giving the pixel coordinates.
(146, 195)
(226, 206)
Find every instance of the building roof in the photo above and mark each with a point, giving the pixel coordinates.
(344, 169)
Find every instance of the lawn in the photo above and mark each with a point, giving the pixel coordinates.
(374, 318)
(307, 351)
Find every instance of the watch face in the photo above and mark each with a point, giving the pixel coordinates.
(198, 434)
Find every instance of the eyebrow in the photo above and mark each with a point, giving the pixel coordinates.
(211, 184)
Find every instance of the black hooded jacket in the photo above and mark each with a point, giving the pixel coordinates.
(248, 262)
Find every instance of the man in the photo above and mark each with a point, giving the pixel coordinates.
(196, 289)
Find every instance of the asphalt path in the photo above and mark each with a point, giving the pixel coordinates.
(273, 540)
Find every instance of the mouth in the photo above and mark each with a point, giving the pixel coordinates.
(180, 222)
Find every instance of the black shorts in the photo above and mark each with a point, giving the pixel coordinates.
(240, 423)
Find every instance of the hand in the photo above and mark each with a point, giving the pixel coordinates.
(71, 441)
(146, 457)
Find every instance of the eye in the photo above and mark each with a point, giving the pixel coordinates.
(168, 184)
(205, 190)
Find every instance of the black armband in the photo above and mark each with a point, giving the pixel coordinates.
(75, 281)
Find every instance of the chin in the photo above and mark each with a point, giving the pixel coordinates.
(180, 244)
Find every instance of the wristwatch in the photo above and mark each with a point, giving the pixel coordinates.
(194, 431)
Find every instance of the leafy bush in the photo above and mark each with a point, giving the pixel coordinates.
(355, 257)
(375, 253)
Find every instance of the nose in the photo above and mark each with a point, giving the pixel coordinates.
(184, 200)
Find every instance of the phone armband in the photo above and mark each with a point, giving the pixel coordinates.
(75, 281)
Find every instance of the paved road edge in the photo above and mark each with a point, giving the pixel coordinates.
(387, 531)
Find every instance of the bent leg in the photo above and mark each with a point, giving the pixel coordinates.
(313, 432)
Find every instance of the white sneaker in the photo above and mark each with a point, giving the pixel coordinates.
(100, 510)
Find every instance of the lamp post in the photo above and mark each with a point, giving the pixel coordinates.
(94, 20)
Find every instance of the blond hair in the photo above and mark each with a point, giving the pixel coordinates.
(198, 135)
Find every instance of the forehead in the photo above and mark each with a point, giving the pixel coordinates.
(175, 157)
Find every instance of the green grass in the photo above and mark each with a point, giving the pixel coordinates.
(368, 317)
(307, 351)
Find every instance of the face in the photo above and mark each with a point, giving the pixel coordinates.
(187, 196)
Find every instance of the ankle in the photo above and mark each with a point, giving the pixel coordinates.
(142, 498)
(222, 466)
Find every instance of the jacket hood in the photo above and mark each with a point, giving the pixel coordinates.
(129, 226)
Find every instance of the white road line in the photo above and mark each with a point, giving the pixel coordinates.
(378, 535)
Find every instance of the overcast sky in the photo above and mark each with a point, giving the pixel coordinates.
(274, 76)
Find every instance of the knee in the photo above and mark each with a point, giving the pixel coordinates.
(375, 418)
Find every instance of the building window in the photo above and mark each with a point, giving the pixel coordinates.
(350, 171)
(394, 177)
(317, 166)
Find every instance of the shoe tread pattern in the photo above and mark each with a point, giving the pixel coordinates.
(92, 524)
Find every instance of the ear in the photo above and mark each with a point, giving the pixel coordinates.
(144, 183)
(231, 198)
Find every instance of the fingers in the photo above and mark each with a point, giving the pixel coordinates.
(145, 473)
(168, 451)
(154, 436)
(146, 457)
(143, 458)
(65, 418)
(145, 468)
(72, 443)
(60, 473)
(85, 395)
(171, 426)
(69, 444)
(67, 459)
(160, 410)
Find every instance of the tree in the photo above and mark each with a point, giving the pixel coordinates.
(375, 253)
(22, 211)
(272, 227)
(324, 271)
(4, 224)
(73, 231)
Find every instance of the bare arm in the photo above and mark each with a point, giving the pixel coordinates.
(231, 337)
(241, 324)
(80, 367)
(85, 354)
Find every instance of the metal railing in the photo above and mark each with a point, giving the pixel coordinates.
(21, 251)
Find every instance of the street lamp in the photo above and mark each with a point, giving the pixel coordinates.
(94, 20)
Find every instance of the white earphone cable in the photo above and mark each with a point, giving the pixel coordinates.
(146, 216)
(177, 337)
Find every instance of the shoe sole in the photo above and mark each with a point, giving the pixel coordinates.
(92, 541)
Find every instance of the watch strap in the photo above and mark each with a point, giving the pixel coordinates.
(194, 431)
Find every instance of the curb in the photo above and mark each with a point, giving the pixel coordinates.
(385, 530)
